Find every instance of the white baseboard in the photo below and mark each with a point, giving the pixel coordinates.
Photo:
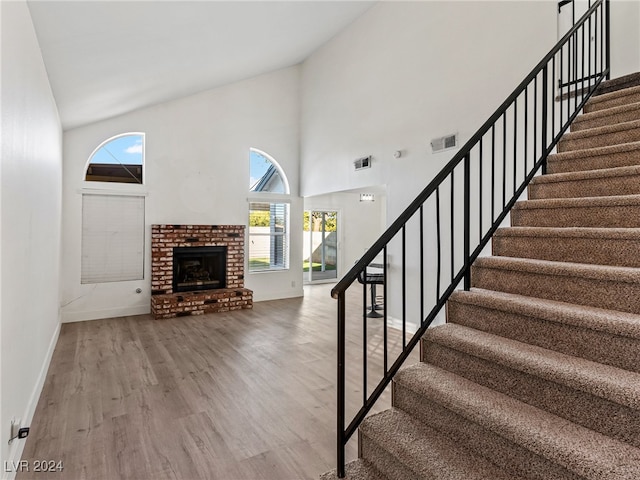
(70, 317)
(17, 446)
(396, 323)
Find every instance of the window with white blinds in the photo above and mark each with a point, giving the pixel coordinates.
(112, 238)
(268, 236)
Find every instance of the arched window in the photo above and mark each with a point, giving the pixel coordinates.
(268, 217)
(119, 159)
(265, 175)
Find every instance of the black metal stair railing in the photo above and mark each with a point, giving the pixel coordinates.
(428, 251)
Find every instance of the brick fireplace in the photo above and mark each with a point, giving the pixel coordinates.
(197, 269)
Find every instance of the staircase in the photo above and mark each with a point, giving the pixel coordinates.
(536, 375)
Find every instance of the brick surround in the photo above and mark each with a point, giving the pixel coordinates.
(165, 303)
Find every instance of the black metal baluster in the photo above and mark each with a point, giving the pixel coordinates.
(439, 245)
(545, 104)
(515, 143)
(467, 220)
(504, 159)
(341, 383)
(526, 130)
(575, 76)
(582, 61)
(591, 75)
(364, 336)
(384, 293)
(404, 286)
(561, 88)
(421, 264)
(535, 119)
(453, 274)
(493, 172)
(607, 42)
(481, 184)
(553, 100)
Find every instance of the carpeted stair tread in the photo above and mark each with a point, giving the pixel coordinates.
(590, 183)
(608, 116)
(601, 246)
(613, 99)
(586, 453)
(615, 288)
(613, 322)
(611, 383)
(606, 135)
(619, 83)
(596, 272)
(421, 450)
(621, 211)
(595, 158)
(359, 469)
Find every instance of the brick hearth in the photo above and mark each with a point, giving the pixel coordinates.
(167, 304)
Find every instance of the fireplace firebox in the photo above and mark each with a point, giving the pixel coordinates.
(199, 268)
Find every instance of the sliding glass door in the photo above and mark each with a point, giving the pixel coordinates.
(320, 258)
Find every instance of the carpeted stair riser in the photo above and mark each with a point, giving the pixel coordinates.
(600, 137)
(381, 459)
(613, 99)
(401, 447)
(565, 330)
(514, 459)
(611, 116)
(358, 469)
(595, 159)
(494, 370)
(617, 247)
(574, 285)
(603, 212)
(598, 183)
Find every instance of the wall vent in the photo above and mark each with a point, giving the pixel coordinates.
(444, 143)
(364, 162)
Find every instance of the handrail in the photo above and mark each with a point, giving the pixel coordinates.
(395, 227)
(583, 65)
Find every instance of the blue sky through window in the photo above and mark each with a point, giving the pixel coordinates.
(125, 150)
(258, 165)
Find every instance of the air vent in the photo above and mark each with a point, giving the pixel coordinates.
(364, 162)
(444, 143)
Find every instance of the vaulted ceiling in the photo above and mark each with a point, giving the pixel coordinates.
(105, 58)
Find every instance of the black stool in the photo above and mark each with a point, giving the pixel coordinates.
(372, 279)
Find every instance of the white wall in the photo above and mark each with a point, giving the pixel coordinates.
(30, 223)
(407, 72)
(197, 172)
(625, 37)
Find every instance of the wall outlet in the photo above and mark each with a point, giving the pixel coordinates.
(293, 284)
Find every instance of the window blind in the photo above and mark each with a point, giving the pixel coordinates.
(112, 238)
(268, 236)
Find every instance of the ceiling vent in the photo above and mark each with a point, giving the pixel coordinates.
(364, 162)
(444, 143)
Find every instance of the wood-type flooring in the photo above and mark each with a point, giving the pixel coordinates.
(239, 395)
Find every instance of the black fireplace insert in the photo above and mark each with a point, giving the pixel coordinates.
(199, 268)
